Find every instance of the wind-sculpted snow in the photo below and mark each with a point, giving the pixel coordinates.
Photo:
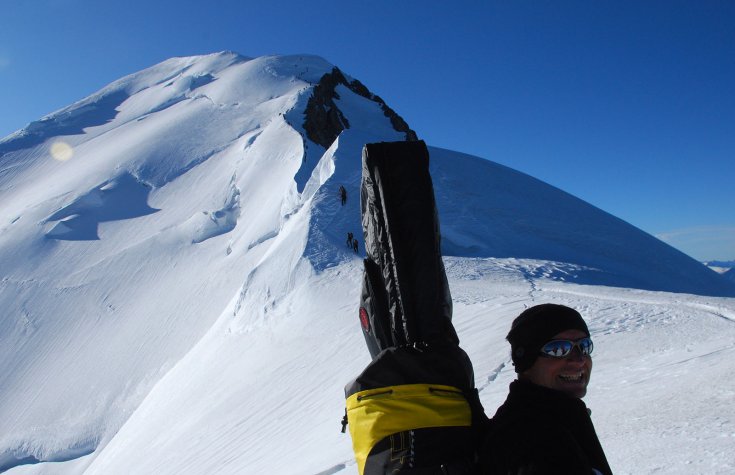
(8, 461)
(121, 198)
(178, 295)
(92, 113)
(224, 220)
(178, 74)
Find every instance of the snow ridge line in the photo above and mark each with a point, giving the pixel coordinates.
(22, 456)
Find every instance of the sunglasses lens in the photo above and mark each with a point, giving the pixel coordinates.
(586, 346)
(557, 348)
(562, 348)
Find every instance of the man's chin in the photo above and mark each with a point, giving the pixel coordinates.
(578, 390)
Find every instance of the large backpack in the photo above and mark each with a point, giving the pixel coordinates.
(414, 409)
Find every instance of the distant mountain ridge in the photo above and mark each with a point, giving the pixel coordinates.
(720, 263)
(725, 268)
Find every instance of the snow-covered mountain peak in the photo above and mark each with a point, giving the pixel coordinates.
(183, 198)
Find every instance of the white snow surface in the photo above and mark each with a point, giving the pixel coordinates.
(170, 303)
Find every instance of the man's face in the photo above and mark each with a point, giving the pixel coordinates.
(569, 375)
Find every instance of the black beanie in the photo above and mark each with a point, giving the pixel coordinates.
(538, 325)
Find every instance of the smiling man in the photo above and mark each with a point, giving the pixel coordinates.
(543, 426)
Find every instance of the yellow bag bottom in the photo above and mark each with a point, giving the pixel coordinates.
(375, 414)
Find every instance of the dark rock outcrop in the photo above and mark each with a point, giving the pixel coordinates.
(323, 120)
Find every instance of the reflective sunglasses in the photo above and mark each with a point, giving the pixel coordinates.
(563, 348)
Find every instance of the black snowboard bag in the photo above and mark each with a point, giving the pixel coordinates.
(414, 409)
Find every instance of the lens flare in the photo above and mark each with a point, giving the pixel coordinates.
(61, 151)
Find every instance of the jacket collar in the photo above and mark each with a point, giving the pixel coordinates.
(533, 396)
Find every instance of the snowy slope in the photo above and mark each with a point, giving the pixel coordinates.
(177, 296)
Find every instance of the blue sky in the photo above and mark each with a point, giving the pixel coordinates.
(629, 105)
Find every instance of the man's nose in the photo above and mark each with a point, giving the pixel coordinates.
(576, 355)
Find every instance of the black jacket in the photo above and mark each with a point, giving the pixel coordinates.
(540, 430)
